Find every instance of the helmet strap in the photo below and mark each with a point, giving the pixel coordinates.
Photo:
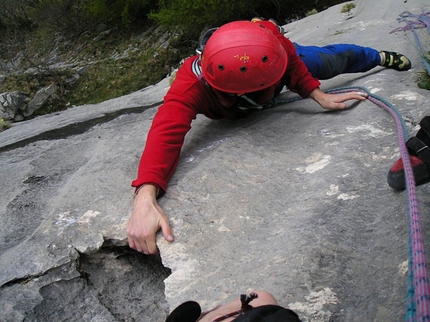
(254, 104)
(204, 39)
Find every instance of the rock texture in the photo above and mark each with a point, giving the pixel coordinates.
(292, 200)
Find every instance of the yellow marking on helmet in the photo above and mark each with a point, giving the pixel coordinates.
(244, 58)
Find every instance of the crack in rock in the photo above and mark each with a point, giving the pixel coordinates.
(112, 284)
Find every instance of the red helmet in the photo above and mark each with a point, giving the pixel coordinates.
(242, 57)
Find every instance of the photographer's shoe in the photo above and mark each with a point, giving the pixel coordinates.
(419, 151)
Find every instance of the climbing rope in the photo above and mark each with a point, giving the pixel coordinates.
(414, 22)
(418, 285)
(418, 290)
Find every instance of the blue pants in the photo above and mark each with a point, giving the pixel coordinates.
(329, 61)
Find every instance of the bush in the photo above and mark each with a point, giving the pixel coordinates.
(312, 12)
(4, 125)
(113, 40)
(16, 14)
(190, 17)
(125, 12)
(347, 8)
(73, 15)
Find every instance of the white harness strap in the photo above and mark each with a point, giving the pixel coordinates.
(197, 68)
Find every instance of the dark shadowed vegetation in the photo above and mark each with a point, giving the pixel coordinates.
(94, 50)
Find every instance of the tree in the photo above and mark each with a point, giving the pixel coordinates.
(15, 13)
(190, 17)
(126, 12)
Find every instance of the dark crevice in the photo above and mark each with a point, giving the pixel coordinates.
(76, 128)
(22, 280)
(113, 284)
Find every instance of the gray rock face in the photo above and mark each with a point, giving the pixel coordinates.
(292, 200)
(17, 105)
(41, 98)
(12, 103)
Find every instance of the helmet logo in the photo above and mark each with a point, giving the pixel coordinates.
(244, 58)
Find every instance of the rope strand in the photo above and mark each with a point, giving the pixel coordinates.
(418, 288)
(418, 308)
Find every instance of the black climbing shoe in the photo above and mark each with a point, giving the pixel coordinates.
(189, 311)
(419, 152)
(395, 60)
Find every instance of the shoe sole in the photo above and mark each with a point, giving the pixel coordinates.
(396, 180)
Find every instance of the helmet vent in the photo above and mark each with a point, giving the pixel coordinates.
(221, 67)
(264, 59)
(243, 69)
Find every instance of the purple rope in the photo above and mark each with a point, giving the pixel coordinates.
(418, 281)
(419, 264)
(422, 21)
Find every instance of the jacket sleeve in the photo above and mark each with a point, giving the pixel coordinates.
(169, 127)
(297, 76)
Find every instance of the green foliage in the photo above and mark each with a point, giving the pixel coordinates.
(114, 78)
(125, 11)
(4, 125)
(59, 15)
(424, 85)
(107, 38)
(191, 16)
(424, 76)
(73, 15)
(16, 13)
(347, 7)
(125, 70)
(312, 12)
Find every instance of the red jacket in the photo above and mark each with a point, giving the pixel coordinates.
(189, 96)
